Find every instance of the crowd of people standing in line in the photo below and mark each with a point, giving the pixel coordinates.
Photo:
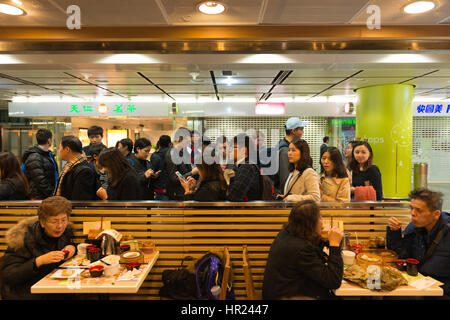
(128, 172)
(297, 266)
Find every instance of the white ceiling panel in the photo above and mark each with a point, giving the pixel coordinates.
(392, 13)
(396, 71)
(353, 83)
(182, 12)
(311, 11)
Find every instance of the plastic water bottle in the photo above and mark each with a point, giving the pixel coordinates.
(215, 291)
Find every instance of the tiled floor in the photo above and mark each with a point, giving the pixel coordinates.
(445, 189)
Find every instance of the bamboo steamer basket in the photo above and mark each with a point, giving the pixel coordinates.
(132, 256)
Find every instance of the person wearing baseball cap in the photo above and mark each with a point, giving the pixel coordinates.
(294, 128)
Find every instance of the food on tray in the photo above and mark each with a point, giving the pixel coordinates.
(85, 274)
(67, 273)
(388, 279)
(131, 254)
(366, 258)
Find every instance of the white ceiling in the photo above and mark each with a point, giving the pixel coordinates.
(313, 77)
(238, 12)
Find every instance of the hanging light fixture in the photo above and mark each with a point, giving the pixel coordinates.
(11, 9)
(211, 7)
(419, 7)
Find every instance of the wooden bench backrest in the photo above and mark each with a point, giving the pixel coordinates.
(193, 232)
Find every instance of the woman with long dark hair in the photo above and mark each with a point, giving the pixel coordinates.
(211, 186)
(302, 182)
(13, 184)
(334, 183)
(123, 183)
(364, 172)
(297, 265)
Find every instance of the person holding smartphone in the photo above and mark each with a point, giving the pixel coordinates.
(211, 185)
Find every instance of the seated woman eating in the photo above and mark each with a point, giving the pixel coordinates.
(334, 181)
(297, 266)
(302, 182)
(35, 248)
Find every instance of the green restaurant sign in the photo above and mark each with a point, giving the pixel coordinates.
(102, 108)
(343, 121)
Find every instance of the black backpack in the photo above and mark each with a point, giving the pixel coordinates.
(179, 284)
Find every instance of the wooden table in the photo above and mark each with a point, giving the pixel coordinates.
(350, 289)
(96, 285)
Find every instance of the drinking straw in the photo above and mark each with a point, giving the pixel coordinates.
(356, 234)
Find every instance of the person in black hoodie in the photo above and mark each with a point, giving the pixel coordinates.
(123, 183)
(297, 266)
(77, 179)
(39, 166)
(35, 248)
(142, 147)
(101, 176)
(178, 159)
(157, 159)
(245, 184)
(13, 184)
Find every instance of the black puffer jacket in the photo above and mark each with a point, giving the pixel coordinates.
(127, 189)
(297, 268)
(40, 170)
(141, 166)
(174, 189)
(13, 189)
(79, 183)
(27, 241)
(157, 163)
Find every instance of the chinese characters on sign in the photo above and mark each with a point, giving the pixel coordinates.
(116, 109)
(433, 108)
(344, 121)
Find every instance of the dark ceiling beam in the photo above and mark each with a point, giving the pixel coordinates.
(279, 79)
(156, 86)
(94, 84)
(213, 79)
(422, 75)
(335, 84)
(30, 83)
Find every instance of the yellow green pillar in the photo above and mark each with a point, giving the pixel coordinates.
(384, 119)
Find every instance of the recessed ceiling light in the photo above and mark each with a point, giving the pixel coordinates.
(211, 7)
(11, 10)
(419, 7)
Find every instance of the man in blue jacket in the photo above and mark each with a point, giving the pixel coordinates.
(428, 226)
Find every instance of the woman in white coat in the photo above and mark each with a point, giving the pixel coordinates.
(302, 182)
